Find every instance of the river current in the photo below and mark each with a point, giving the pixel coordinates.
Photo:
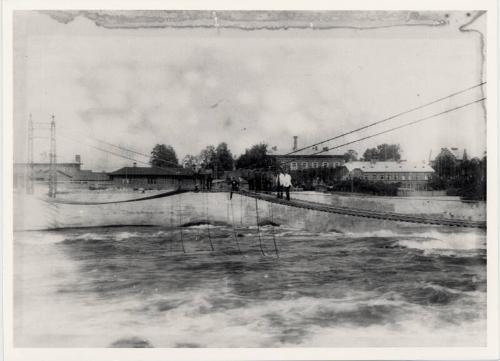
(166, 287)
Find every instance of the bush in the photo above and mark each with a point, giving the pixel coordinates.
(363, 186)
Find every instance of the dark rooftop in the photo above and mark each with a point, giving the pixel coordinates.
(152, 171)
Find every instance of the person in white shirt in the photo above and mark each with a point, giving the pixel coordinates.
(287, 184)
(279, 184)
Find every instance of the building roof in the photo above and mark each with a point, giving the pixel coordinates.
(152, 171)
(458, 153)
(388, 167)
(309, 153)
(88, 175)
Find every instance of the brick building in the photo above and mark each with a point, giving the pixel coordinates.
(411, 175)
(306, 159)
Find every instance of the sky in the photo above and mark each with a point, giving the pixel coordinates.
(193, 87)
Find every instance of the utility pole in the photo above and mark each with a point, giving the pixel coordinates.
(53, 161)
(29, 166)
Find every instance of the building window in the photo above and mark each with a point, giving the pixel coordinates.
(381, 176)
(409, 176)
(426, 177)
(293, 166)
(403, 177)
(315, 164)
(337, 164)
(304, 165)
(324, 164)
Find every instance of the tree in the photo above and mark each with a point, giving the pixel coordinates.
(223, 157)
(190, 161)
(350, 156)
(255, 157)
(163, 156)
(445, 166)
(383, 152)
(207, 157)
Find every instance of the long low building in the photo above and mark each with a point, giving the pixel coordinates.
(153, 177)
(411, 175)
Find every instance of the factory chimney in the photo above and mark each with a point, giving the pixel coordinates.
(295, 143)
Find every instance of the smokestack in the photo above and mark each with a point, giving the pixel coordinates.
(78, 159)
(295, 142)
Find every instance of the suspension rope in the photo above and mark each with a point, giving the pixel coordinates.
(180, 223)
(172, 224)
(241, 210)
(122, 148)
(389, 118)
(270, 206)
(208, 223)
(396, 128)
(235, 236)
(258, 227)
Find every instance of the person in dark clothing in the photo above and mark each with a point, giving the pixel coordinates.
(209, 182)
(235, 187)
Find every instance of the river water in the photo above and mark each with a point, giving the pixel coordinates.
(136, 287)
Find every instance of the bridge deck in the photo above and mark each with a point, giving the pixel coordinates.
(356, 212)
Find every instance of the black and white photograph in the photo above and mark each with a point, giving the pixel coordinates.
(190, 179)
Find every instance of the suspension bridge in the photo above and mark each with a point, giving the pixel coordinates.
(268, 198)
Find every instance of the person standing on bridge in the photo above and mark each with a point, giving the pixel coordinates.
(287, 184)
(279, 183)
(235, 187)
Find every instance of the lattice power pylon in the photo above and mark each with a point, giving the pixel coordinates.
(32, 127)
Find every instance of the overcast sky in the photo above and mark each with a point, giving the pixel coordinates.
(194, 87)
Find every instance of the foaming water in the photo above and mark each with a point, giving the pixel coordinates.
(165, 287)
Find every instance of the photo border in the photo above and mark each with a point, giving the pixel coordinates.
(491, 351)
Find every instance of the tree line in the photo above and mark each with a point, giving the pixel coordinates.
(465, 178)
(220, 157)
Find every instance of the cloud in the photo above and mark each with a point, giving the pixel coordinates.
(191, 88)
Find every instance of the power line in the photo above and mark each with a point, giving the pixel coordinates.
(387, 119)
(126, 149)
(398, 127)
(104, 150)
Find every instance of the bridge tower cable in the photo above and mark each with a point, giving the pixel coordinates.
(258, 226)
(271, 212)
(208, 223)
(180, 223)
(404, 125)
(388, 118)
(235, 236)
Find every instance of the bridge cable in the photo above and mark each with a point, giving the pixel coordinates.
(180, 223)
(258, 227)
(234, 228)
(172, 224)
(208, 223)
(396, 128)
(270, 206)
(388, 118)
(123, 148)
